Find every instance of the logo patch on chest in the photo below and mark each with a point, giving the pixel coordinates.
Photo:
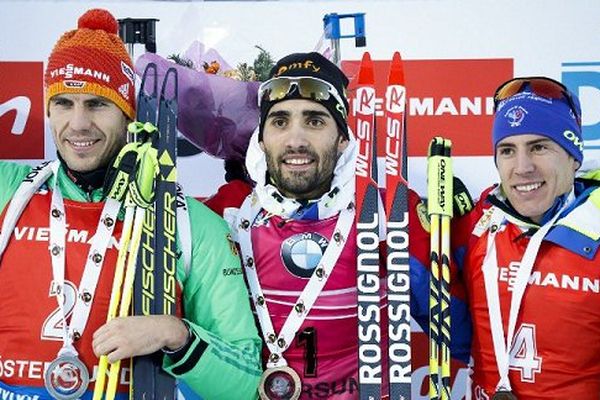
(302, 253)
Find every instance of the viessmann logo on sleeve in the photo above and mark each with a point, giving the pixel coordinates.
(450, 98)
(21, 110)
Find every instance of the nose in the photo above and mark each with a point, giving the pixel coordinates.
(80, 119)
(296, 136)
(524, 163)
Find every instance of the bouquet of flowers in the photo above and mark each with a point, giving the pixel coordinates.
(218, 108)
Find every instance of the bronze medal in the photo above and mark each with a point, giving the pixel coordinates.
(504, 395)
(280, 383)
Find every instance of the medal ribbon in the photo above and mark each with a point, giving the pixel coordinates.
(490, 275)
(278, 344)
(93, 265)
(20, 200)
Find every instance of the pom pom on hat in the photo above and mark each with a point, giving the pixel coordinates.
(98, 19)
(93, 60)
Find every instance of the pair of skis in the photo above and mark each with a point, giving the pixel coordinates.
(155, 283)
(367, 222)
(148, 242)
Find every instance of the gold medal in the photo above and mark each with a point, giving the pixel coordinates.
(280, 383)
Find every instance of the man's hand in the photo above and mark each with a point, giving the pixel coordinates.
(126, 337)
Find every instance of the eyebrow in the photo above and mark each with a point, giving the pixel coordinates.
(529, 143)
(280, 113)
(66, 98)
(316, 113)
(538, 141)
(305, 113)
(59, 97)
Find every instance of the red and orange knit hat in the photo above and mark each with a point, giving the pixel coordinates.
(92, 59)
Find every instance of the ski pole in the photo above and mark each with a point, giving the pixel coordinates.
(125, 303)
(139, 195)
(114, 297)
(124, 169)
(439, 173)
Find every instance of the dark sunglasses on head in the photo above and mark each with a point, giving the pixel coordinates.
(539, 85)
(308, 88)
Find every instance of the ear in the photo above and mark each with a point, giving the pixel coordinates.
(262, 145)
(342, 144)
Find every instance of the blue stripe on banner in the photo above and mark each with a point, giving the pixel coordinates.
(580, 64)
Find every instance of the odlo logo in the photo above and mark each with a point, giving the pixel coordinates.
(573, 138)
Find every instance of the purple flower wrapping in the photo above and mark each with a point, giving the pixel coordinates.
(217, 114)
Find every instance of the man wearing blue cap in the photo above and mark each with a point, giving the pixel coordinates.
(528, 253)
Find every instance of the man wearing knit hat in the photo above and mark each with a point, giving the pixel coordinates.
(296, 232)
(58, 250)
(528, 253)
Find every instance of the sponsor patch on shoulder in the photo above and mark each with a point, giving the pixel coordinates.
(484, 222)
(232, 245)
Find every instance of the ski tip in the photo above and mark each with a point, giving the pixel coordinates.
(396, 75)
(366, 72)
(366, 57)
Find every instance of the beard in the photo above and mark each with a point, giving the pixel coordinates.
(303, 185)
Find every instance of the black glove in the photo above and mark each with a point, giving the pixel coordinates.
(463, 203)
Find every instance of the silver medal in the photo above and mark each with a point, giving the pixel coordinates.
(66, 378)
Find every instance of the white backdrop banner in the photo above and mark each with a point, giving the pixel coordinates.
(456, 51)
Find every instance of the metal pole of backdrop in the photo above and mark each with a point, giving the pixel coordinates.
(331, 26)
(138, 30)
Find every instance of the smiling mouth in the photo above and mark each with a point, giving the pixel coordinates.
(297, 161)
(82, 144)
(530, 187)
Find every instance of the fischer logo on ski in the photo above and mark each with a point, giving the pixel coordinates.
(155, 283)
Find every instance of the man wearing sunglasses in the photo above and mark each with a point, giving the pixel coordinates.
(296, 232)
(528, 253)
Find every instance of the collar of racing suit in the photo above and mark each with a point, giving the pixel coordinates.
(578, 228)
(272, 200)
